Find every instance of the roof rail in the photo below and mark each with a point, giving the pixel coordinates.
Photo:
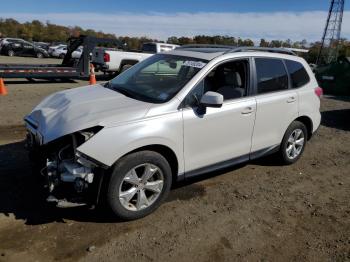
(233, 49)
(262, 49)
(206, 46)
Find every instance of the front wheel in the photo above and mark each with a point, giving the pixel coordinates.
(39, 55)
(139, 183)
(10, 53)
(293, 143)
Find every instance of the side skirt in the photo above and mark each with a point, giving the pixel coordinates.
(264, 152)
(230, 162)
(217, 166)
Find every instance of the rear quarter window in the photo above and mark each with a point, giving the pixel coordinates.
(298, 74)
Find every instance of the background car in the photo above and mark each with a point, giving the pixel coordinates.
(23, 48)
(54, 47)
(7, 40)
(77, 53)
(59, 52)
(42, 45)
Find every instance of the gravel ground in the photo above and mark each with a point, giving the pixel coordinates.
(254, 212)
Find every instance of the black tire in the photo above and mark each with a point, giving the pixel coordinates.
(39, 55)
(10, 53)
(283, 155)
(121, 168)
(61, 56)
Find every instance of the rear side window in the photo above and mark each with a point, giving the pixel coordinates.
(271, 75)
(298, 74)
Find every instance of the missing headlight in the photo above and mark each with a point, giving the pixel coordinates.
(86, 134)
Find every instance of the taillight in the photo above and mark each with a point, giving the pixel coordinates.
(319, 91)
(106, 57)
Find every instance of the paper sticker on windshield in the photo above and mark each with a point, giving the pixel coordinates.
(196, 64)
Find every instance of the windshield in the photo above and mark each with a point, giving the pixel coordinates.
(158, 78)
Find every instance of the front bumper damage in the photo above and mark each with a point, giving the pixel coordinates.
(70, 178)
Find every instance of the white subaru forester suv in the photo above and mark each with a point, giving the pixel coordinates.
(173, 116)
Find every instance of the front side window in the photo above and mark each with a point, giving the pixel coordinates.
(298, 74)
(158, 78)
(271, 75)
(230, 79)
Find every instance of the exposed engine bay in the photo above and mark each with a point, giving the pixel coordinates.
(70, 178)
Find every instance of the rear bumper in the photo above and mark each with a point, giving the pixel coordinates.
(316, 122)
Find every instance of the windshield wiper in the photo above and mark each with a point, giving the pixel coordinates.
(119, 89)
(128, 92)
(123, 91)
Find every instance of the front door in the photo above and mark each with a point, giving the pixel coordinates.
(219, 136)
(28, 49)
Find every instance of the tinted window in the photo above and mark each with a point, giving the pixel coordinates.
(298, 73)
(149, 48)
(271, 75)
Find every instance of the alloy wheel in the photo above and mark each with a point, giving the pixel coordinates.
(295, 144)
(141, 187)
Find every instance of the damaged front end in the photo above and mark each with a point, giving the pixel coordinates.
(70, 178)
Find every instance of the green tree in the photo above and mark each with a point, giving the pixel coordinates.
(264, 43)
(173, 40)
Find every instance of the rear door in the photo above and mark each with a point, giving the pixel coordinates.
(28, 49)
(277, 104)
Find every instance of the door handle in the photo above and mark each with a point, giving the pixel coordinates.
(247, 110)
(291, 99)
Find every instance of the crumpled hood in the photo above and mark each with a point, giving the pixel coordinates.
(73, 110)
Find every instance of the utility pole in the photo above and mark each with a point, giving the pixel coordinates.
(331, 36)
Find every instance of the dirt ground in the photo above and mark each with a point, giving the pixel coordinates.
(259, 211)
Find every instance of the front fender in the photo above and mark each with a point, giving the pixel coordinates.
(111, 143)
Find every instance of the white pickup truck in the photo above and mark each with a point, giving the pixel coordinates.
(111, 60)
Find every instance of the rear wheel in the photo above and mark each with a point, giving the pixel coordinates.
(138, 185)
(293, 143)
(39, 55)
(10, 53)
(61, 56)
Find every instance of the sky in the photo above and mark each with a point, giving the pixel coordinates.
(255, 19)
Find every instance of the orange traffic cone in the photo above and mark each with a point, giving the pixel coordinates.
(3, 90)
(92, 75)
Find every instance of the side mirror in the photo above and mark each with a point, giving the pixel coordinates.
(212, 99)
